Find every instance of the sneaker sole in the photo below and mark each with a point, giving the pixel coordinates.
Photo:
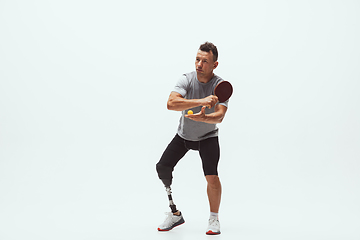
(168, 229)
(212, 233)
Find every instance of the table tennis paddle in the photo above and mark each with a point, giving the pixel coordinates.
(223, 91)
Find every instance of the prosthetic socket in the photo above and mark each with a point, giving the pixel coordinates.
(165, 175)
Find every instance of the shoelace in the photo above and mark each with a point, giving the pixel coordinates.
(213, 222)
(169, 218)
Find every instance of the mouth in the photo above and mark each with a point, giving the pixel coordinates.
(199, 70)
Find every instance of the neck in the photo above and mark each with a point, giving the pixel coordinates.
(205, 79)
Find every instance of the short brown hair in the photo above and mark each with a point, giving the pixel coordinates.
(207, 47)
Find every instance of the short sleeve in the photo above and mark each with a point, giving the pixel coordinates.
(182, 86)
(226, 103)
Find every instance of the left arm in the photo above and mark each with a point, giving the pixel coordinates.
(213, 118)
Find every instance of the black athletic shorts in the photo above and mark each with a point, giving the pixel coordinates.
(209, 151)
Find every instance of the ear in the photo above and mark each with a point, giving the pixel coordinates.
(215, 64)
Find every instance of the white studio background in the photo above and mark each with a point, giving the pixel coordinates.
(83, 119)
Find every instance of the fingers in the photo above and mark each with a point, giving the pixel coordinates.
(197, 116)
(214, 101)
(210, 101)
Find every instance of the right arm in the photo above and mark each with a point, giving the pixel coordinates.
(177, 102)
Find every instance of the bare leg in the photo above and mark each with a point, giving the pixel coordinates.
(214, 192)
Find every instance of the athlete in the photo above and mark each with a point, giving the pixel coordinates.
(194, 91)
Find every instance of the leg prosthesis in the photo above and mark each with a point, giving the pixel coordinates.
(165, 174)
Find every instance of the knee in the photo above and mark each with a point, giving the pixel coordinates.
(164, 173)
(213, 180)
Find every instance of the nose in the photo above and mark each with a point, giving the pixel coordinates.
(199, 63)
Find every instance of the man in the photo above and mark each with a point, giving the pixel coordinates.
(194, 91)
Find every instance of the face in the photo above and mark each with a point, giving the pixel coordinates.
(204, 63)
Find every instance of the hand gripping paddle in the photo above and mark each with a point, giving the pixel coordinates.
(223, 91)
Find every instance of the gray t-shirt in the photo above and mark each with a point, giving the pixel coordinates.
(190, 88)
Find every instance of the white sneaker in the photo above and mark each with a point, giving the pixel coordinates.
(214, 227)
(171, 221)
